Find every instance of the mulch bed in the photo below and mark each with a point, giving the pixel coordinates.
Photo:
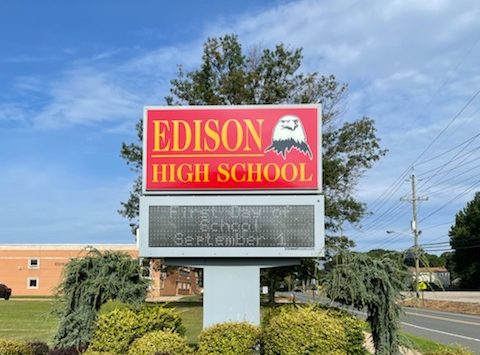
(446, 306)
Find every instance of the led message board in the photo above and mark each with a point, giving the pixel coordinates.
(232, 149)
(279, 226)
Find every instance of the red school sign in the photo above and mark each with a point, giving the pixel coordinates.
(232, 148)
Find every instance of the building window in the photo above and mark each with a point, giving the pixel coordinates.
(32, 282)
(33, 263)
(146, 268)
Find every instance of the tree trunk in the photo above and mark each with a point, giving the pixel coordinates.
(271, 291)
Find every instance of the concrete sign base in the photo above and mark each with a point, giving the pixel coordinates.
(231, 287)
(231, 293)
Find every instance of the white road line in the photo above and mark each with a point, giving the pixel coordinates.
(426, 310)
(441, 332)
(443, 318)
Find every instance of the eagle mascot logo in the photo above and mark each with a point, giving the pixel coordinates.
(289, 134)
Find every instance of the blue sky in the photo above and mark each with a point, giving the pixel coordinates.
(74, 77)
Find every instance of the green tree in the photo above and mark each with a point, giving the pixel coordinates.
(228, 76)
(372, 284)
(465, 241)
(90, 282)
(384, 253)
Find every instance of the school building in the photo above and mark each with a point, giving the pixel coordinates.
(36, 270)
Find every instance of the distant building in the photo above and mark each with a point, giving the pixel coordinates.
(36, 270)
(439, 276)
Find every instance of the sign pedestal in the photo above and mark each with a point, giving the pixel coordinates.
(231, 293)
(231, 287)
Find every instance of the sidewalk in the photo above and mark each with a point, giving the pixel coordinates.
(451, 296)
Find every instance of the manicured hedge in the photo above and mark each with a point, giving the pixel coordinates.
(238, 338)
(13, 347)
(116, 330)
(160, 342)
(308, 330)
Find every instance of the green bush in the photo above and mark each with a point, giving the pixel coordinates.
(38, 347)
(14, 347)
(160, 342)
(304, 330)
(94, 352)
(353, 330)
(113, 305)
(116, 330)
(236, 338)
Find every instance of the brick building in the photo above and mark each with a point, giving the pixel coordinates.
(36, 270)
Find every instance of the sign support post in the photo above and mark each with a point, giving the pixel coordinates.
(231, 294)
(232, 287)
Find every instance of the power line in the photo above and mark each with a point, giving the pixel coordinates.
(436, 225)
(467, 154)
(450, 161)
(386, 195)
(450, 201)
(448, 151)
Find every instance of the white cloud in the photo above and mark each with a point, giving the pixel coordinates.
(10, 112)
(86, 97)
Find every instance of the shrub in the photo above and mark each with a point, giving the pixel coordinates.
(353, 328)
(160, 342)
(113, 305)
(116, 330)
(94, 352)
(14, 347)
(304, 330)
(38, 347)
(239, 338)
(64, 351)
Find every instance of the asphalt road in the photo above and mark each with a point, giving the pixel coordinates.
(442, 327)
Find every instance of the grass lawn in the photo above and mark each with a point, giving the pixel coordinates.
(27, 320)
(425, 346)
(192, 318)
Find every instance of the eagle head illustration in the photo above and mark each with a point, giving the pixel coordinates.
(289, 134)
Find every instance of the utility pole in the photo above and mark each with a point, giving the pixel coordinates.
(416, 232)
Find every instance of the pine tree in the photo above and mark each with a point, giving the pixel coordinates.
(373, 285)
(90, 282)
(465, 241)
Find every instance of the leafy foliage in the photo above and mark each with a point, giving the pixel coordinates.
(373, 284)
(90, 282)
(238, 338)
(14, 347)
(116, 330)
(353, 330)
(69, 350)
(304, 330)
(38, 347)
(465, 240)
(160, 342)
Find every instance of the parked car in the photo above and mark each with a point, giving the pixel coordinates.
(5, 292)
